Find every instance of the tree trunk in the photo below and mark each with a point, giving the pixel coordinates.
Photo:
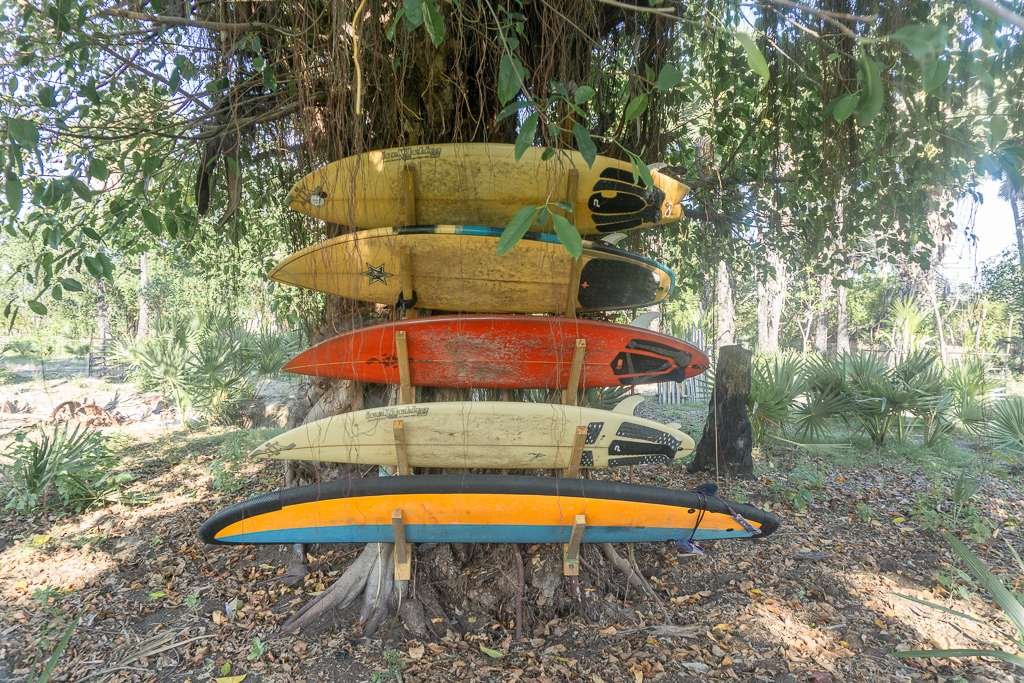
(821, 316)
(725, 310)
(771, 297)
(842, 322)
(1017, 207)
(102, 314)
(142, 331)
(727, 442)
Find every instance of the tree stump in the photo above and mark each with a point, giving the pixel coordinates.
(727, 432)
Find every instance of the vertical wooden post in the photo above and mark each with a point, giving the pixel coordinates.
(403, 551)
(571, 550)
(407, 191)
(406, 392)
(576, 457)
(570, 395)
(405, 277)
(401, 457)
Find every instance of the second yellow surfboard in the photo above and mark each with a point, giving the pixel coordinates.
(457, 268)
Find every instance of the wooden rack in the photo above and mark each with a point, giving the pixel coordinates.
(570, 396)
(406, 394)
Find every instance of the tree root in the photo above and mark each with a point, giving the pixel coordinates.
(377, 597)
(340, 595)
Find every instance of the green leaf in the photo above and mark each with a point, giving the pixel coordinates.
(37, 307)
(1006, 600)
(585, 143)
(583, 94)
(636, 107)
(641, 171)
(24, 132)
(433, 20)
(923, 41)
(92, 265)
(47, 96)
(668, 78)
(526, 135)
(516, 228)
(1007, 657)
(491, 652)
(91, 234)
(984, 76)
(269, 78)
(512, 108)
(413, 13)
(934, 74)
(549, 152)
(569, 235)
(13, 191)
(844, 106)
(511, 76)
(71, 284)
(152, 222)
(98, 169)
(80, 188)
(872, 96)
(997, 127)
(57, 292)
(755, 59)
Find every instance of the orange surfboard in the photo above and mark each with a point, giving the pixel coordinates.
(503, 352)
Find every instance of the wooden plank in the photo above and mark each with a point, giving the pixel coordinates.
(578, 441)
(405, 275)
(406, 392)
(571, 550)
(401, 457)
(570, 395)
(407, 191)
(403, 551)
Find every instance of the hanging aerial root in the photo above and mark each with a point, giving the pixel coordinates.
(379, 590)
(341, 594)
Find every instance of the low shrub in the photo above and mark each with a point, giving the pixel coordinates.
(60, 467)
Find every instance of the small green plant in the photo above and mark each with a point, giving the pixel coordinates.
(257, 648)
(864, 512)
(776, 384)
(1006, 428)
(395, 666)
(799, 489)
(76, 350)
(1007, 601)
(268, 350)
(58, 467)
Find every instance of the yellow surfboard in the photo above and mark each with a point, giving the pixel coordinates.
(482, 434)
(482, 184)
(457, 268)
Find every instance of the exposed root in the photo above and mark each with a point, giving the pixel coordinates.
(341, 594)
(520, 589)
(633, 577)
(379, 591)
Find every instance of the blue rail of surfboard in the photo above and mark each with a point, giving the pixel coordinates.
(475, 533)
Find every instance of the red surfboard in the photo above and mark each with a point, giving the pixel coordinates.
(503, 352)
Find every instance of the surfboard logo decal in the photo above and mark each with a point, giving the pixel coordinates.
(377, 274)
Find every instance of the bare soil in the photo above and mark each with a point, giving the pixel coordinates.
(143, 599)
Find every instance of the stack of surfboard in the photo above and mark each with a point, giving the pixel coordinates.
(426, 240)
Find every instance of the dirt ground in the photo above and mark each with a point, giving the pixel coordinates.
(138, 597)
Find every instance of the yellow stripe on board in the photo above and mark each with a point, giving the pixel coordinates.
(478, 508)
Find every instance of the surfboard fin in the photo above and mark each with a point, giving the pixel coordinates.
(629, 404)
(613, 238)
(644, 320)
